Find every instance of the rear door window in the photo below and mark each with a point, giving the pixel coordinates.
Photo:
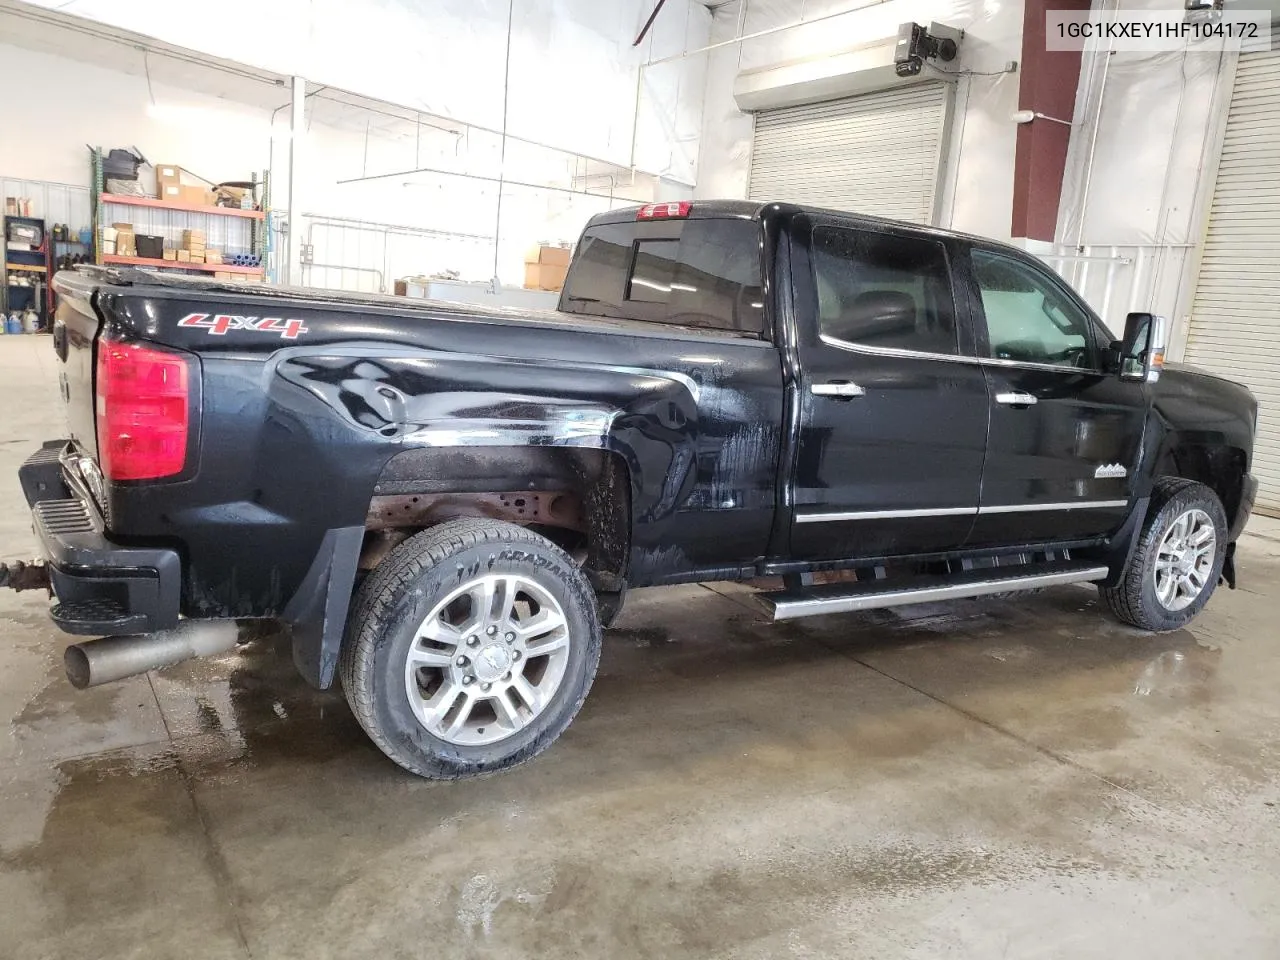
(884, 290)
(693, 273)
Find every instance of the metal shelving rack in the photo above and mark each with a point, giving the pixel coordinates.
(34, 263)
(167, 216)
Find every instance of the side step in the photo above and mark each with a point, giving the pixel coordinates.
(873, 594)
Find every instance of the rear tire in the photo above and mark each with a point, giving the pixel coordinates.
(1177, 561)
(470, 648)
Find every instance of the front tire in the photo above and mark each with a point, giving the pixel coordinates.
(470, 648)
(1177, 561)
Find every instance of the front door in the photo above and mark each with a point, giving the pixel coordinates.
(893, 417)
(1066, 431)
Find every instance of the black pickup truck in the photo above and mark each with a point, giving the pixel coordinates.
(445, 503)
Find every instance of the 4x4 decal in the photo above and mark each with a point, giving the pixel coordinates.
(217, 324)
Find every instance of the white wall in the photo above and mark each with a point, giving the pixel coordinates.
(452, 204)
(77, 104)
(81, 105)
(573, 69)
(983, 137)
(225, 139)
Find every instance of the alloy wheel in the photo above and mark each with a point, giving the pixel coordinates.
(1184, 559)
(487, 660)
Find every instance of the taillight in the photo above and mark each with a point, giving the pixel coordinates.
(143, 407)
(674, 210)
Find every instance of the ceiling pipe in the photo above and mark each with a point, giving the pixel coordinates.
(503, 181)
(502, 152)
(762, 33)
(649, 23)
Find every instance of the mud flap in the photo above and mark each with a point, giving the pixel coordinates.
(1229, 567)
(1120, 547)
(318, 611)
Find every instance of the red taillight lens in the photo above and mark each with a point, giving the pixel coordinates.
(674, 210)
(143, 397)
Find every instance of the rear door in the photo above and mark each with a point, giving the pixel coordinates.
(893, 414)
(1065, 429)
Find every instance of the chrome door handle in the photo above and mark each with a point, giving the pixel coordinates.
(837, 389)
(1016, 399)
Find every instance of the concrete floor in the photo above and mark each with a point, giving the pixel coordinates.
(981, 779)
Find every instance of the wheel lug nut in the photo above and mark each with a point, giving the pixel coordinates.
(507, 677)
(510, 638)
(485, 686)
(468, 679)
(492, 630)
(515, 654)
(473, 641)
(462, 661)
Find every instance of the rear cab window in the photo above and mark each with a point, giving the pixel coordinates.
(700, 273)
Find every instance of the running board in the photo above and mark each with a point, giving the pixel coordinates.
(873, 594)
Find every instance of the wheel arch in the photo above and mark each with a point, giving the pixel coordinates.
(1219, 465)
(570, 494)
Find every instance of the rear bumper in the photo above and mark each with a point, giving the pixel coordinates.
(102, 588)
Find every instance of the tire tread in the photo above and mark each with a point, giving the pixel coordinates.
(1125, 600)
(382, 588)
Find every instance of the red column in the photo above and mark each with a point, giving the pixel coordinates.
(1047, 85)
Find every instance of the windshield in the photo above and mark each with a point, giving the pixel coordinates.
(694, 273)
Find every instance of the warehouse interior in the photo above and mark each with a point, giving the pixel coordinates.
(995, 777)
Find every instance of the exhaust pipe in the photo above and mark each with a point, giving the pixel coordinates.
(113, 658)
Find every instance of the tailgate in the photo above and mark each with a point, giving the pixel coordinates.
(75, 329)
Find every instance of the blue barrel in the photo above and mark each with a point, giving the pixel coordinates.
(13, 324)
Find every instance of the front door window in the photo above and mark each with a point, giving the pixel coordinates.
(1029, 318)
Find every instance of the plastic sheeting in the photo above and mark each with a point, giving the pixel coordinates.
(1148, 148)
(1149, 145)
(1138, 176)
(981, 153)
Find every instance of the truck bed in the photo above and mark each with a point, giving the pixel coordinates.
(171, 284)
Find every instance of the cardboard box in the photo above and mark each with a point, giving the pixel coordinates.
(548, 256)
(171, 254)
(173, 183)
(193, 234)
(126, 243)
(222, 275)
(184, 256)
(213, 256)
(193, 257)
(168, 180)
(544, 276)
(192, 196)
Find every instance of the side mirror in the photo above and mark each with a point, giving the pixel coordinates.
(1141, 352)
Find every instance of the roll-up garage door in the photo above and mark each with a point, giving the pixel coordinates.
(1235, 318)
(877, 153)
